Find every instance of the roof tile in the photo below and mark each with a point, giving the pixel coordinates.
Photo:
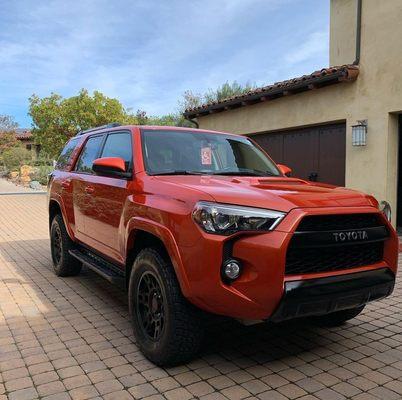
(317, 79)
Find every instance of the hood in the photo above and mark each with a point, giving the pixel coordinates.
(278, 193)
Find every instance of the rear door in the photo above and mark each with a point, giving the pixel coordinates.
(106, 197)
(80, 178)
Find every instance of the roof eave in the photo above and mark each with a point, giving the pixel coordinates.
(278, 90)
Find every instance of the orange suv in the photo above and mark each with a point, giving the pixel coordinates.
(192, 222)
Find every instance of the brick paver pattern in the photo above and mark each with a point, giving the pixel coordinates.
(71, 338)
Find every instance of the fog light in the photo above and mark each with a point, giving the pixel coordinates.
(231, 269)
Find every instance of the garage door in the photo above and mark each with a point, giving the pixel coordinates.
(315, 153)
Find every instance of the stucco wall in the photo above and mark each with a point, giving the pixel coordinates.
(376, 96)
(342, 32)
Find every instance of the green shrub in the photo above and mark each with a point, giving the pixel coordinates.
(41, 173)
(43, 159)
(14, 157)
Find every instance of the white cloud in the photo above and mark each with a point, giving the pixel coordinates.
(146, 53)
(315, 44)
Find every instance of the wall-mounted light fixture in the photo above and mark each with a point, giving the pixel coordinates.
(359, 133)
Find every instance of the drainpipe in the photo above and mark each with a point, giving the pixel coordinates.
(193, 121)
(358, 32)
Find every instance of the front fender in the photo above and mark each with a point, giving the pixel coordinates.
(167, 238)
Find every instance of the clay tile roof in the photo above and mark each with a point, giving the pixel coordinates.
(315, 80)
(23, 134)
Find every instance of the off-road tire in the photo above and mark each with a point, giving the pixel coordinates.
(338, 318)
(181, 335)
(63, 263)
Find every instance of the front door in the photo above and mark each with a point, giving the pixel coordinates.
(104, 223)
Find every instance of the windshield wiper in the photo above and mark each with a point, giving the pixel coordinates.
(245, 172)
(178, 172)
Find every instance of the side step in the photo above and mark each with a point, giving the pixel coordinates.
(102, 267)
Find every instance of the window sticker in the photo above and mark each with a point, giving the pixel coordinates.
(206, 156)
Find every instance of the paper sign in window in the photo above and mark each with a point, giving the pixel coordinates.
(206, 156)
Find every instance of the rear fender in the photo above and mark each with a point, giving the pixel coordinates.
(58, 199)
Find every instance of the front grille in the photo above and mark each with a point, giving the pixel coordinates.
(338, 222)
(325, 259)
(309, 257)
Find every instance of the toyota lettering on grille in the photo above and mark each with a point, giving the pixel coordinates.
(350, 236)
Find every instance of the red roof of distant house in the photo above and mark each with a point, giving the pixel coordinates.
(316, 80)
(23, 134)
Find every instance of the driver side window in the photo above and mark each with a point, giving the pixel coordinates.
(119, 145)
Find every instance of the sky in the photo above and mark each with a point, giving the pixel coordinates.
(147, 53)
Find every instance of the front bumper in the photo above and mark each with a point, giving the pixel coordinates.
(335, 293)
(261, 289)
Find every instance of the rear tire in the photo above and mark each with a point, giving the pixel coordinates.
(338, 318)
(60, 244)
(168, 329)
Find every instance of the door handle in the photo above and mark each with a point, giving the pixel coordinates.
(89, 189)
(65, 184)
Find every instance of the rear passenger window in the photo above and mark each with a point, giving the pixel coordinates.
(119, 145)
(89, 154)
(66, 157)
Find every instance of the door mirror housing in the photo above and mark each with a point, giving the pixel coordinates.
(285, 169)
(110, 166)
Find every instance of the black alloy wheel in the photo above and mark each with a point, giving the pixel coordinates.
(57, 245)
(150, 306)
(167, 328)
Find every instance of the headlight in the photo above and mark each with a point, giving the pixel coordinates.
(225, 219)
(385, 208)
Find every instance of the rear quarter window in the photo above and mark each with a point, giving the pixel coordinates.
(68, 154)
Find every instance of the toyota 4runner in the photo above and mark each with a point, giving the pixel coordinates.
(192, 222)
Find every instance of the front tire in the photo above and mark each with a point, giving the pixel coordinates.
(168, 329)
(60, 244)
(338, 318)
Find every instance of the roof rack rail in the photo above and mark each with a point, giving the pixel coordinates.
(98, 128)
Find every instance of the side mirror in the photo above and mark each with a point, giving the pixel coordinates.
(114, 166)
(284, 169)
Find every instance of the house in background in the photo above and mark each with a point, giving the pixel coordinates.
(342, 124)
(26, 138)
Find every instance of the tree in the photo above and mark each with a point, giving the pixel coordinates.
(7, 123)
(227, 90)
(193, 100)
(56, 119)
(8, 138)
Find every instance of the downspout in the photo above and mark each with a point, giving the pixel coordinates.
(358, 32)
(193, 121)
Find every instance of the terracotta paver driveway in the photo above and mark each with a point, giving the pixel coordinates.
(64, 338)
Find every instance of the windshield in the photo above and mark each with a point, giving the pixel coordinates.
(168, 152)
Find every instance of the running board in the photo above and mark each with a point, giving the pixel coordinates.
(102, 267)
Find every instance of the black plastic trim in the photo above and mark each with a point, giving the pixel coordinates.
(102, 267)
(334, 293)
(339, 237)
